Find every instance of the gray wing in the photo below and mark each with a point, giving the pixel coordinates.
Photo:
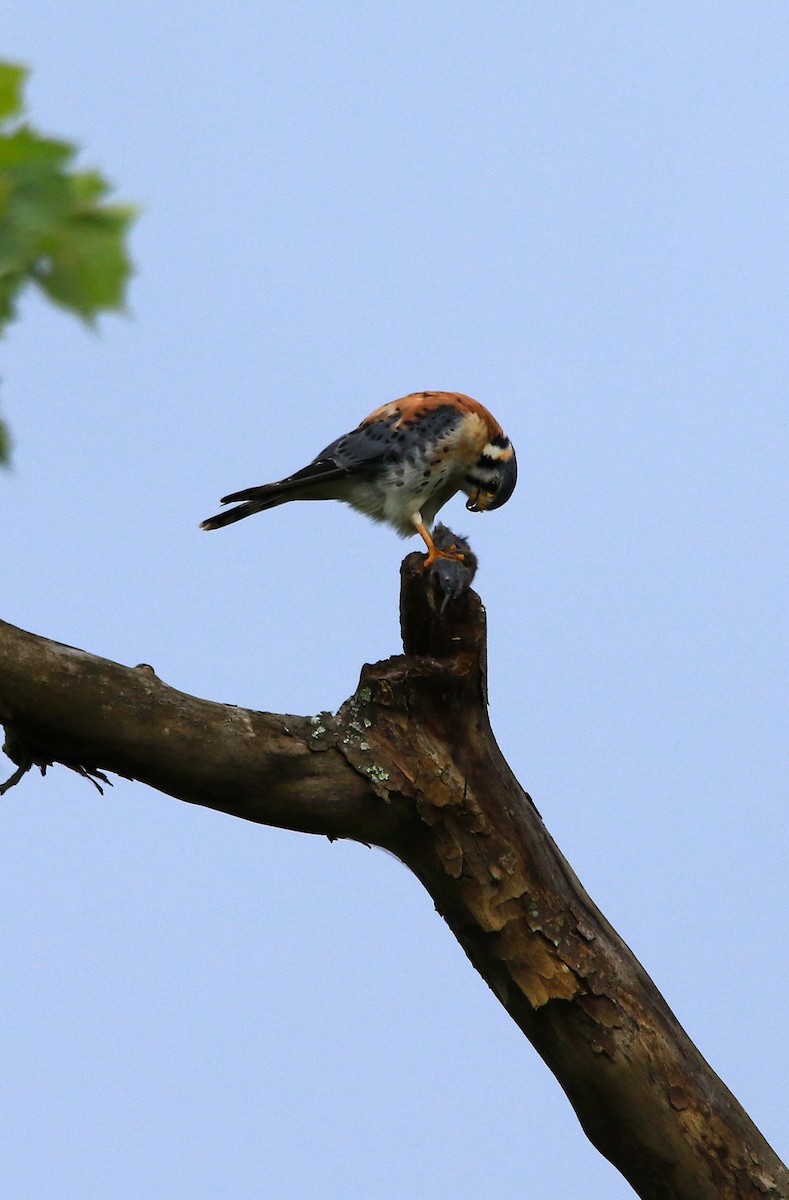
(361, 449)
(371, 444)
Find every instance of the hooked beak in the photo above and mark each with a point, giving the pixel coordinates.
(478, 502)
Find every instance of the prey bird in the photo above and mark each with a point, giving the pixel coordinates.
(400, 466)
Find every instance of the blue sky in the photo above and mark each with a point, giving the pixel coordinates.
(576, 213)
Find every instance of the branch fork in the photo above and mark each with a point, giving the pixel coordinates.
(410, 763)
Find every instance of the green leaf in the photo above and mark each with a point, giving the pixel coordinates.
(85, 265)
(56, 229)
(12, 79)
(26, 156)
(32, 204)
(5, 444)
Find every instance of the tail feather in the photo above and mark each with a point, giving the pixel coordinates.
(264, 493)
(256, 500)
(308, 484)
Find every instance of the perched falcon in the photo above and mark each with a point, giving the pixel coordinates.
(401, 465)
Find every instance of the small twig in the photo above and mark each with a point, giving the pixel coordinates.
(19, 749)
(92, 774)
(14, 779)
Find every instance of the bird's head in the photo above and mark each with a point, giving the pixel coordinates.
(491, 481)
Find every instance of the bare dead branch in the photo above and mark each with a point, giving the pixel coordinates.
(410, 763)
(66, 706)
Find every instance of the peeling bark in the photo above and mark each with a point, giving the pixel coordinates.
(410, 763)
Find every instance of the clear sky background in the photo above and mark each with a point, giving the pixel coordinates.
(578, 214)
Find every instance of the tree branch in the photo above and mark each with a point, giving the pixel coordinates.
(410, 763)
(62, 705)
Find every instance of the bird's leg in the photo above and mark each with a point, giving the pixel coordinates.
(433, 551)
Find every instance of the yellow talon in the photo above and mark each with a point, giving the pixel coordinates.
(434, 553)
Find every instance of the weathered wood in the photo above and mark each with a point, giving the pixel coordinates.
(642, 1091)
(410, 763)
(63, 705)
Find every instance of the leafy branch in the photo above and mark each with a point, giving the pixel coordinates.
(56, 229)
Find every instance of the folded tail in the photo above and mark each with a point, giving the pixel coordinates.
(312, 483)
(257, 500)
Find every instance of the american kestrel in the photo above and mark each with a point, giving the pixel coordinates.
(401, 465)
